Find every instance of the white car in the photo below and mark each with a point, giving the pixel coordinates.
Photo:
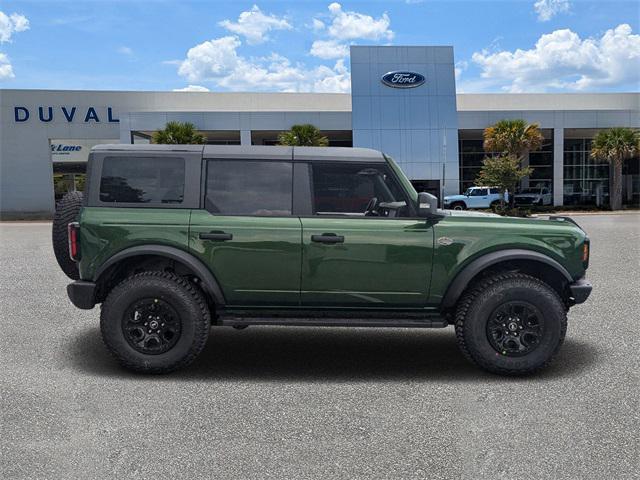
(475, 197)
(534, 196)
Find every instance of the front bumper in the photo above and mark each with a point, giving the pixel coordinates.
(580, 290)
(82, 294)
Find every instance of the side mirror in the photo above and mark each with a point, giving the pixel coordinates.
(427, 204)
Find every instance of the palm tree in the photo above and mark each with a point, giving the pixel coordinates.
(515, 138)
(178, 133)
(303, 136)
(615, 146)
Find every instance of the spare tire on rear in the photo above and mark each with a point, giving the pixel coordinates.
(67, 211)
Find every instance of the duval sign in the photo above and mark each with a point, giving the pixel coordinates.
(401, 79)
(69, 114)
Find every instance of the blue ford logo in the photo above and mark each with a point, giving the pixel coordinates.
(402, 79)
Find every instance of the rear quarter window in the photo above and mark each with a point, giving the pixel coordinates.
(148, 180)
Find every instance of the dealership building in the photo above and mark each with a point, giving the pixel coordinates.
(413, 114)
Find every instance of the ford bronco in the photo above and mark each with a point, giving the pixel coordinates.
(172, 240)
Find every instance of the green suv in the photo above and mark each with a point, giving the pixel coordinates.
(174, 239)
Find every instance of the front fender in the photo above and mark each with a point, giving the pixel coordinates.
(468, 272)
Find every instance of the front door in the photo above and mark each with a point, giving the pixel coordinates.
(246, 233)
(478, 198)
(360, 248)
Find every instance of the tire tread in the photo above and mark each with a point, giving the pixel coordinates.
(201, 336)
(467, 301)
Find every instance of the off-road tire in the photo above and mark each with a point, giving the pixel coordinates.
(458, 206)
(67, 211)
(182, 295)
(482, 298)
(494, 205)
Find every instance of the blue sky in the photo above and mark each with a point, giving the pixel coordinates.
(500, 46)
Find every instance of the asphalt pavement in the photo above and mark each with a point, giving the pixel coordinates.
(282, 402)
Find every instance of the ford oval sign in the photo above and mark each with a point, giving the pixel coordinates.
(402, 79)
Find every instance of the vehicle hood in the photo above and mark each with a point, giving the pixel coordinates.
(527, 195)
(455, 197)
(470, 213)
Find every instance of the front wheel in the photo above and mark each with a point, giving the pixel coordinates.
(511, 324)
(458, 206)
(155, 322)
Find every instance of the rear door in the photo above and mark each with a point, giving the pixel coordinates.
(246, 232)
(353, 260)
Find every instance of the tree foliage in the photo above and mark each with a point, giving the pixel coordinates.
(305, 135)
(178, 133)
(503, 172)
(614, 146)
(515, 138)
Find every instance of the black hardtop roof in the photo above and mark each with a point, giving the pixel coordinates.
(256, 152)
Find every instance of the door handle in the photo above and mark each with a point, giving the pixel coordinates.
(327, 238)
(216, 236)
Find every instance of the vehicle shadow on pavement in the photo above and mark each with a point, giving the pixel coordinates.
(326, 354)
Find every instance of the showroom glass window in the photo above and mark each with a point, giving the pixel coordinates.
(248, 187)
(142, 180)
(586, 180)
(341, 188)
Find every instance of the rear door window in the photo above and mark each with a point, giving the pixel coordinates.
(249, 187)
(149, 180)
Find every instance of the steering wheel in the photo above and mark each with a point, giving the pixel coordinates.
(371, 207)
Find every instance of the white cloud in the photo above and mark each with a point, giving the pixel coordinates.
(125, 51)
(460, 67)
(547, 9)
(10, 24)
(347, 25)
(6, 70)
(329, 49)
(317, 25)
(254, 25)
(561, 60)
(211, 59)
(218, 61)
(192, 88)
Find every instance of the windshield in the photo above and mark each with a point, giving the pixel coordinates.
(406, 184)
(530, 190)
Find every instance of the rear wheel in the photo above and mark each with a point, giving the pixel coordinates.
(511, 324)
(155, 322)
(67, 211)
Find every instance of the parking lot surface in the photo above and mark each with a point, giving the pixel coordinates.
(275, 402)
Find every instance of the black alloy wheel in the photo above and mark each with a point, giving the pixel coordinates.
(515, 328)
(151, 326)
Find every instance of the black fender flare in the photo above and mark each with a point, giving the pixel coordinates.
(462, 279)
(209, 282)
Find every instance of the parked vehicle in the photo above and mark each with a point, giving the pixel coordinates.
(475, 197)
(174, 239)
(534, 196)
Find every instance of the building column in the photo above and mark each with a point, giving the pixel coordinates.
(525, 163)
(558, 167)
(245, 137)
(125, 130)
